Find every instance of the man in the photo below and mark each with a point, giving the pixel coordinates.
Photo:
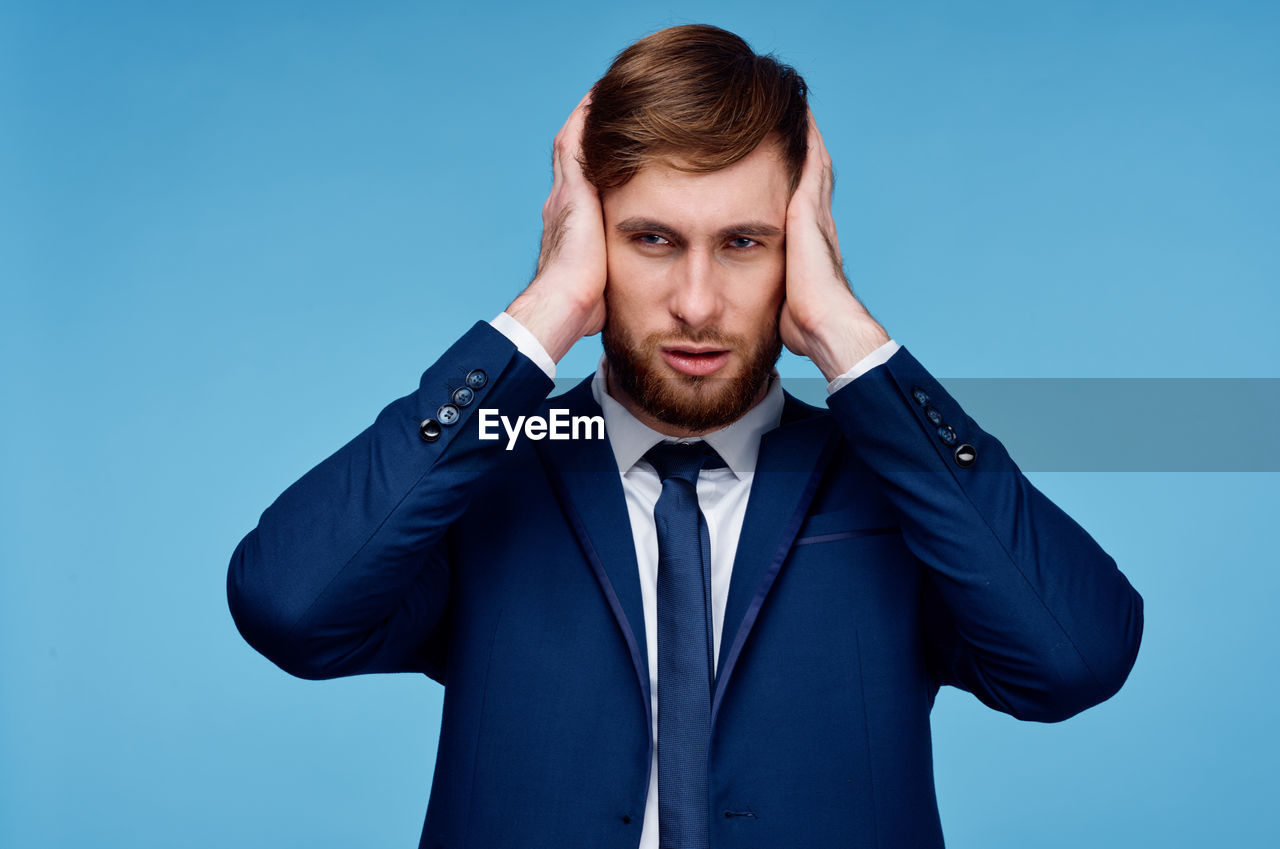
(643, 641)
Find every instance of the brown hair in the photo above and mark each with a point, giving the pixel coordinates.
(697, 97)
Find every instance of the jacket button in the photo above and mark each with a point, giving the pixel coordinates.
(922, 397)
(476, 378)
(462, 396)
(448, 414)
(947, 434)
(429, 430)
(932, 414)
(965, 456)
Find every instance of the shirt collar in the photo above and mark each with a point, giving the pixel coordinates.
(738, 443)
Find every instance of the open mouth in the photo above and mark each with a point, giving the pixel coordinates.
(694, 360)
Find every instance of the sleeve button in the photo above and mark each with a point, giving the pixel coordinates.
(476, 378)
(448, 414)
(947, 434)
(965, 456)
(922, 397)
(932, 414)
(429, 430)
(463, 395)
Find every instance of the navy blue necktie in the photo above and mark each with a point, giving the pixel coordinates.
(685, 664)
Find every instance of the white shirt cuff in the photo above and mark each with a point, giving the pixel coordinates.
(877, 357)
(525, 342)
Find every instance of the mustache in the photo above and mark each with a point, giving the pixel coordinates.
(709, 335)
(703, 336)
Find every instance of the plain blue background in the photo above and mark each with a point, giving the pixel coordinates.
(232, 232)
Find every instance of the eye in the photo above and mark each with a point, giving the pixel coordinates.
(652, 239)
(742, 242)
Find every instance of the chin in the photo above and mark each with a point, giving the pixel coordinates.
(696, 403)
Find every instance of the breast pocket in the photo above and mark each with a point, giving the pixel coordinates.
(846, 524)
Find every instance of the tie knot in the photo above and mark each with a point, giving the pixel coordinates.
(683, 460)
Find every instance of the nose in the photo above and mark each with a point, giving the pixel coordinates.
(696, 299)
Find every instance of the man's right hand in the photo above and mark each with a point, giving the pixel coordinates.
(565, 300)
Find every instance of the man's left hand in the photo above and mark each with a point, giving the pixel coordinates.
(821, 318)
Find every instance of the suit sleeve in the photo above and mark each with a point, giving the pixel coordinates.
(347, 572)
(1021, 606)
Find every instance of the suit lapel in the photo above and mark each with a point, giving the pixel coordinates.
(585, 477)
(792, 459)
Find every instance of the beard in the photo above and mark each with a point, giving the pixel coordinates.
(697, 403)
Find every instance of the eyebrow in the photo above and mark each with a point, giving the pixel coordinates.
(650, 225)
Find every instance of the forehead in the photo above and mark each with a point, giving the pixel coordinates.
(756, 186)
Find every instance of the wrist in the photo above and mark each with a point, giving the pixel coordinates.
(843, 339)
(555, 320)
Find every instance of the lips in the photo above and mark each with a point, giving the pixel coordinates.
(695, 360)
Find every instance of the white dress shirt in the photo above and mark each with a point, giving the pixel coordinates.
(722, 497)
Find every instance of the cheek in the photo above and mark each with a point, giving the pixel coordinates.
(758, 313)
(622, 297)
(775, 286)
(628, 280)
(615, 266)
(763, 292)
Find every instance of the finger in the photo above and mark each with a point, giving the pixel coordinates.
(818, 163)
(819, 159)
(575, 116)
(557, 170)
(811, 176)
(570, 136)
(571, 132)
(815, 136)
(574, 129)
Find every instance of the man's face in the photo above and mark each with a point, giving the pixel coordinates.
(696, 268)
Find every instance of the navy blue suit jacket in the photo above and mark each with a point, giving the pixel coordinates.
(872, 568)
